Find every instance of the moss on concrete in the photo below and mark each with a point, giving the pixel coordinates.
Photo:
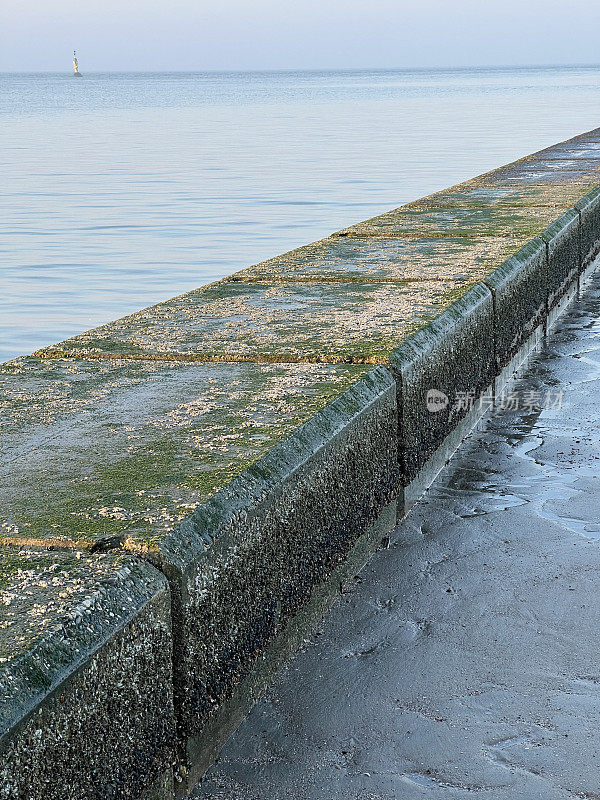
(518, 224)
(350, 322)
(386, 259)
(543, 169)
(96, 450)
(481, 194)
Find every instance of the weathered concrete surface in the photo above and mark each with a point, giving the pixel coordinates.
(520, 291)
(453, 355)
(121, 451)
(589, 213)
(584, 146)
(477, 193)
(515, 223)
(339, 301)
(85, 678)
(265, 321)
(545, 170)
(564, 254)
(388, 259)
(464, 661)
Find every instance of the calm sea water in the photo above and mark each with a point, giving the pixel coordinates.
(118, 190)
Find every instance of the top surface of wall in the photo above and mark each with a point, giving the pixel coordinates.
(85, 639)
(45, 594)
(124, 450)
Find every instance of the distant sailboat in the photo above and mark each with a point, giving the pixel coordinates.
(76, 73)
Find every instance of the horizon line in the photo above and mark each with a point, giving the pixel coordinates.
(255, 70)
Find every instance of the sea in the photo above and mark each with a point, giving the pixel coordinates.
(118, 190)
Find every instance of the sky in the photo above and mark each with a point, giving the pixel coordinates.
(139, 35)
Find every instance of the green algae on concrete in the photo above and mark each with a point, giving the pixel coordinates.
(386, 259)
(517, 224)
(545, 170)
(479, 194)
(358, 322)
(124, 450)
(83, 642)
(556, 177)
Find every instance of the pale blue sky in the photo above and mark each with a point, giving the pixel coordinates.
(271, 34)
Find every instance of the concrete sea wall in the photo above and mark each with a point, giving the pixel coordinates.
(184, 491)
